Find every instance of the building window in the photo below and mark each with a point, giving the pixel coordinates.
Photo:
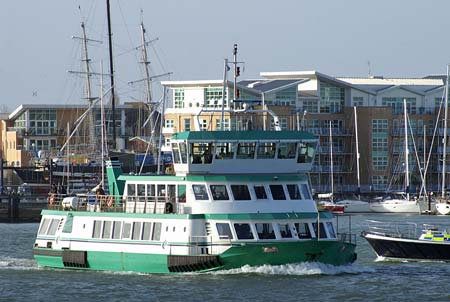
(379, 144)
(226, 124)
(187, 124)
(379, 163)
(42, 122)
(179, 98)
(380, 126)
(379, 182)
(286, 97)
(358, 101)
(170, 123)
(396, 103)
(331, 98)
(311, 105)
(213, 96)
(203, 124)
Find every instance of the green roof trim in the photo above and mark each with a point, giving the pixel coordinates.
(151, 177)
(239, 216)
(247, 177)
(242, 135)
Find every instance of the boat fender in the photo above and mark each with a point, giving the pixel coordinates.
(110, 200)
(51, 199)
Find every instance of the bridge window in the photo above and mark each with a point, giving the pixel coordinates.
(294, 192)
(176, 154)
(240, 192)
(219, 192)
(183, 153)
(305, 152)
(260, 192)
(44, 226)
(266, 150)
(303, 231)
(286, 150)
(285, 230)
(181, 193)
(277, 192)
(265, 231)
(246, 150)
(200, 192)
(224, 231)
(224, 150)
(201, 153)
(243, 231)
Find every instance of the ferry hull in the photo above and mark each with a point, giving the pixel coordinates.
(329, 252)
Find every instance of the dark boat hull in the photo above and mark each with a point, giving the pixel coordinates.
(413, 249)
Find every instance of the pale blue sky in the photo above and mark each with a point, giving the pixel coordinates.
(400, 38)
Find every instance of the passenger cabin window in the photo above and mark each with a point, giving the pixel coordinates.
(266, 150)
(330, 229)
(146, 228)
(305, 152)
(106, 234)
(126, 230)
(97, 228)
(219, 192)
(224, 231)
(294, 192)
(200, 192)
(243, 231)
(44, 226)
(182, 193)
(176, 154)
(246, 150)
(141, 190)
(286, 150)
(303, 231)
(116, 229)
(161, 192)
(136, 230)
(285, 230)
(131, 189)
(265, 231)
(260, 192)
(240, 192)
(321, 230)
(277, 192)
(151, 192)
(305, 191)
(156, 234)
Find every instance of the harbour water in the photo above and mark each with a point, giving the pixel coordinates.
(366, 280)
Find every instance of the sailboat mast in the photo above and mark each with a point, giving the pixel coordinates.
(444, 147)
(331, 164)
(406, 149)
(111, 70)
(357, 153)
(88, 92)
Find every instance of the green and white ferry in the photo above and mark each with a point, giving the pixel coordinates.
(231, 198)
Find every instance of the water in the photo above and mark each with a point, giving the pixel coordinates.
(366, 280)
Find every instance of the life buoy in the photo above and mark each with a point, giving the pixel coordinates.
(51, 199)
(110, 200)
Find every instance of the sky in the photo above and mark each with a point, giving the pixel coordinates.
(402, 38)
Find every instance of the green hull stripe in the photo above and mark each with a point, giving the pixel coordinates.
(257, 254)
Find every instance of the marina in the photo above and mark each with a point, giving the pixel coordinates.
(366, 279)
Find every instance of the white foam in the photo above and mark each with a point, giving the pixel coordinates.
(18, 263)
(302, 269)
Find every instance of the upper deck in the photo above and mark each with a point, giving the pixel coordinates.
(248, 152)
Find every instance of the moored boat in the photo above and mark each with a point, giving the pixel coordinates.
(402, 241)
(235, 198)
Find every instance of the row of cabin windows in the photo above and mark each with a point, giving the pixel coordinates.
(127, 230)
(157, 190)
(205, 153)
(49, 226)
(265, 231)
(242, 192)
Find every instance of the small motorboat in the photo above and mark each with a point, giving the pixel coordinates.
(403, 241)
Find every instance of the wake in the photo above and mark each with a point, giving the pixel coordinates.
(18, 264)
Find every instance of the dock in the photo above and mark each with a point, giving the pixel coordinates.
(17, 209)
